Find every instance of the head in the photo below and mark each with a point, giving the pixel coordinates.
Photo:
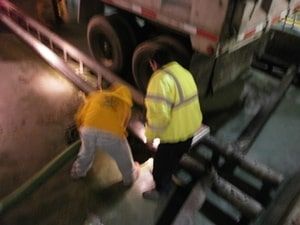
(160, 57)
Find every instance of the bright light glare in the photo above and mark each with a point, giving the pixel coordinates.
(50, 56)
(139, 129)
(156, 142)
(52, 85)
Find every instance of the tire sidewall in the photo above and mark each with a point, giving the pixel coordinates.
(140, 63)
(101, 25)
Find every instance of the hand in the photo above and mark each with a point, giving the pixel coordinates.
(150, 145)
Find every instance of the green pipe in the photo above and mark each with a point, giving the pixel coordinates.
(40, 177)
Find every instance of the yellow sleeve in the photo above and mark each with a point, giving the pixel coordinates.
(82, 110)
(159, 102)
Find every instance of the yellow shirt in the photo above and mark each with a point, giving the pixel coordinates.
(108, 110)
(173, 108)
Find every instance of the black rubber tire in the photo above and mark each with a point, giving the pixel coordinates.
(181, 53)
(111, 41)
(140, 61)
(285, 201)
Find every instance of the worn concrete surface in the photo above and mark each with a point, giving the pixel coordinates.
(101, 193)
(36, 106)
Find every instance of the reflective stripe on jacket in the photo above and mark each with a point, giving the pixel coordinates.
(108, 110)
(173, 109)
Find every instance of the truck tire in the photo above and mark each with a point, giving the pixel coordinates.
(285, 209)
(181, 52)
(140, 65)
(111, 41)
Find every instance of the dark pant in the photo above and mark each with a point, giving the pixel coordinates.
(166, 162)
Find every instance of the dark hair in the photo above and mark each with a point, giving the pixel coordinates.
(162, 56)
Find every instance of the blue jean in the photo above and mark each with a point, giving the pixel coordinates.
(117, 147)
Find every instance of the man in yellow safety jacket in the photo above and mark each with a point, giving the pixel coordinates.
(173, 116)
(102, 122)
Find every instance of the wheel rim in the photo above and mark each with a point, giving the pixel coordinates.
(103, 50)
(108, 44)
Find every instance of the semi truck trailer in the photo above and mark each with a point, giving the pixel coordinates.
(214, 39)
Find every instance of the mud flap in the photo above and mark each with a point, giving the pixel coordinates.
(211, 74)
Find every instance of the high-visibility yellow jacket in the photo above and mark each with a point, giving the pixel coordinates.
(173, 108)
(108, 110)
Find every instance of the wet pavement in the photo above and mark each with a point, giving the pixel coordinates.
(36, 108)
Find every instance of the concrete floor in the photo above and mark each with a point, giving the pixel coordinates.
(37, 106)
(277, 144)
